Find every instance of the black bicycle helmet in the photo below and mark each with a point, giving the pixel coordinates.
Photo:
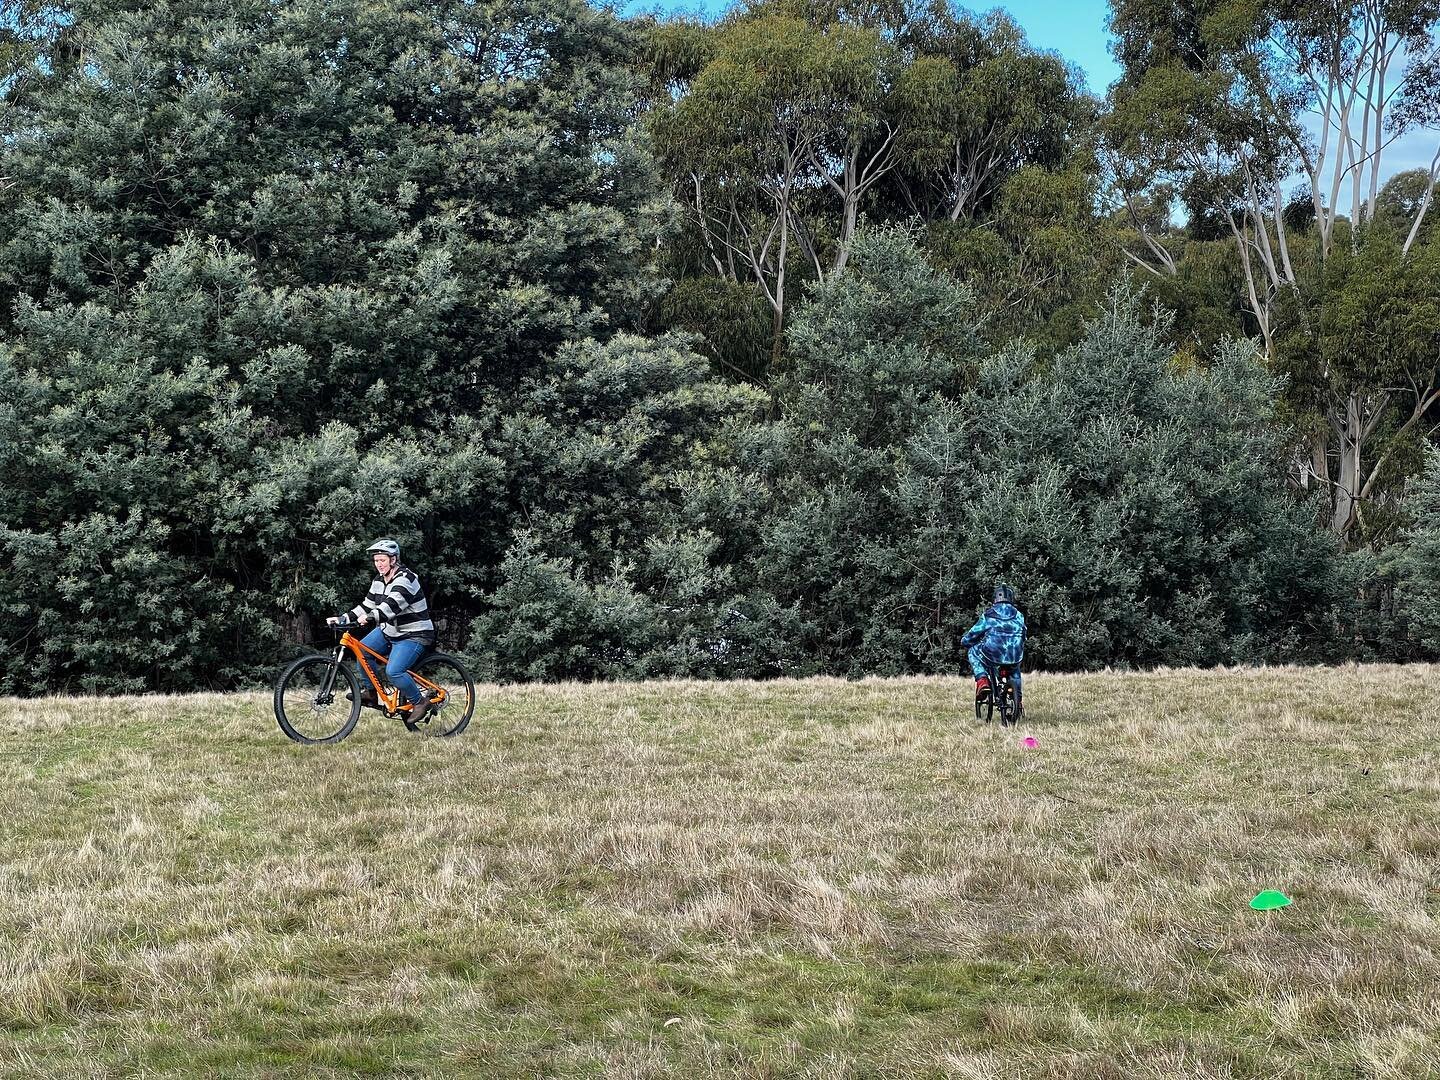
(1004, 594)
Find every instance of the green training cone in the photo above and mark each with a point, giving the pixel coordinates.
(1269, 900)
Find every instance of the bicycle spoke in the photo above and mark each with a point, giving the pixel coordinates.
(456, 695)
(314, 701)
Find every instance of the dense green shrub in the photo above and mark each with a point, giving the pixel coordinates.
(1137, 503)
(1413, 565)
(275, 278)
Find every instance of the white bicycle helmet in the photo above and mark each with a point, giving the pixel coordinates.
(384, 546)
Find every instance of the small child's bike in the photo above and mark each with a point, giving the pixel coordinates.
(1002, 698)
(318, 698)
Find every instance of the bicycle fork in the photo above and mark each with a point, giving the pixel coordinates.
(326, 694)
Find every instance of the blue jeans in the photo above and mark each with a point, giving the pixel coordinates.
(980, 664)
(400, 655)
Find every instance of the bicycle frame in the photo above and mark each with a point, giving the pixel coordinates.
(388, 696)
(1002, 693)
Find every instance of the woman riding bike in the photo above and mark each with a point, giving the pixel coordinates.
(396, 603)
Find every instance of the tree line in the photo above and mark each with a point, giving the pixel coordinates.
(747, 348)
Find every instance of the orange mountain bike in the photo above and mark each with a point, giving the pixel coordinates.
(318, 699)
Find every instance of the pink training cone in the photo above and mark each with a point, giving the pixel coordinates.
(1029, 742)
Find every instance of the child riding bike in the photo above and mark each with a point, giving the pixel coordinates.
(397, 604)
(996, 641)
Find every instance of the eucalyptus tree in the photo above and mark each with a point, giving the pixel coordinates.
(984, 105)
(1228, 103)
(30, 31)
(1229, 100)
(1359, 340)
(783, 124)
(1001, 168)
(780, 110)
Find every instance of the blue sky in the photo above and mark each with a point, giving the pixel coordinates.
(1075, 30)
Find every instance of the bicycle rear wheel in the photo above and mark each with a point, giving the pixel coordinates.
(310, 700)
(1007, 708)
(453, 713)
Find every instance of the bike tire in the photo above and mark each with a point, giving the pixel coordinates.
(453, 715)
(299, 710)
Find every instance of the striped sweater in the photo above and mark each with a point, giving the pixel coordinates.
(399, 607)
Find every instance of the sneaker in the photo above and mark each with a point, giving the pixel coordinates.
(982, 689)
(421, 708)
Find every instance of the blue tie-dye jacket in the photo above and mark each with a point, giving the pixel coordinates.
(1000, 634)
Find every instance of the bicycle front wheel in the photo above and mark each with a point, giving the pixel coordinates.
(317, 700)
(440, 672)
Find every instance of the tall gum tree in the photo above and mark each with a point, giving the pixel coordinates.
(1229, 103)
(781, 109)
(31, 36)
(784, 124)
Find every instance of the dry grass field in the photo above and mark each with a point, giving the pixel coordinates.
(791, 879)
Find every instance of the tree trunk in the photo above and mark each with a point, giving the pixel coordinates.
(847, 230)
(777, 345)
(1345, 494)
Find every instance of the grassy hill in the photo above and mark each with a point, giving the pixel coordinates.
(813, 878)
